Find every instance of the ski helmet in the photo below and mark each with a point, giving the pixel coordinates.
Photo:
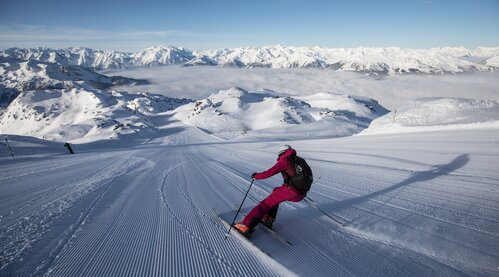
(283, 149)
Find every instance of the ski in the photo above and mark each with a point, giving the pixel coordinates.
(227, 226)
(272, 232)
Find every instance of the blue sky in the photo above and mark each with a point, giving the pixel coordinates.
(199, 25)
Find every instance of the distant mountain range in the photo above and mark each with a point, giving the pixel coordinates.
(18, 76)
(392, 60)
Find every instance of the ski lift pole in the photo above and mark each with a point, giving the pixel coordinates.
(69, 148)
(10, 149)
(238, 210)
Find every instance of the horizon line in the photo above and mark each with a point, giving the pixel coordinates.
(244, 47)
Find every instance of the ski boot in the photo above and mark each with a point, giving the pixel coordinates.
(268, 221)
(243, 229)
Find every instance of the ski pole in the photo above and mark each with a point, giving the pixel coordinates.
(238, 210)
(310, 202)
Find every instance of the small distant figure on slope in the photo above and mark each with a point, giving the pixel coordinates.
(297, 177)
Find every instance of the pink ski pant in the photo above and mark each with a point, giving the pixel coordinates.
(278, 195)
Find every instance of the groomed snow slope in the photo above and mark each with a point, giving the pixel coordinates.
(414, 204)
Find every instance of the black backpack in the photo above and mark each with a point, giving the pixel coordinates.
(303, 179)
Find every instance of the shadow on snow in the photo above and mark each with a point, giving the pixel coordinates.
(419, 176)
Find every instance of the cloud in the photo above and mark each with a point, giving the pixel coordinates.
(39, 35)
(391, 92)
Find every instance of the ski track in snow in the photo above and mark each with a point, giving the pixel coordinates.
(48, 208)
(148, 211)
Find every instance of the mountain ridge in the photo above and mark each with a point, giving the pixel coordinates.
(388, 60)
(18, 76)
(238, 113)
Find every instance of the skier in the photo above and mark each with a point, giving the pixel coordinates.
(265, 212)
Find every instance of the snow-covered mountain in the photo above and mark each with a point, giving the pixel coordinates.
(437, 114)
(103, 59)
(237, 113)
(58, 95)
(390, 60)
(380, 60)
(360, 107)
(160, 55)
(70, 102)
(19, 76)
(83, 114)
(87, 114)
(71, 56)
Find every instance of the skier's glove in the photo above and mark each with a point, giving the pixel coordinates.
(253, 175)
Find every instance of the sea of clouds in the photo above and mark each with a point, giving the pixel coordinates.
(391, 91)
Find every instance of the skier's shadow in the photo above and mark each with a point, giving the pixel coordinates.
(420, 176)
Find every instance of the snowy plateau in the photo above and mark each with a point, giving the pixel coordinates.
(403, 143)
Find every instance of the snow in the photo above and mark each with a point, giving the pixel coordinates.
(82, 115)
(160, 55)
(417, 188)
(237, 113)
(389, 60)
(360, 106)
(437, 114)
(18, 76)
(415, 204)
(494, 61)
